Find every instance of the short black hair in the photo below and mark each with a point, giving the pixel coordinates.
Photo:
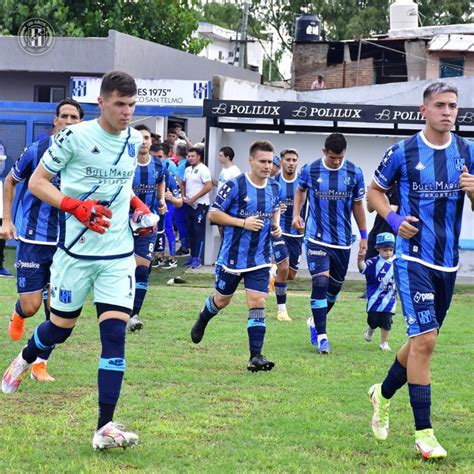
(119, 81)
(69, 101)
(198, 150)
(141, 126)
(157, 147)
(438, 87)
(336, 143)
(172, 130)
(261, 145)
(228, 151)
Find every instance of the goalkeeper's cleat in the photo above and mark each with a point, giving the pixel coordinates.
(113, 435)
(259, 362)
(324, 347)
(283, 315)
(134, 324)
(198, 330)
(14, 374)
(40, 373)
(428, 446)
(369, 334)
(380, 419)
(16, 328)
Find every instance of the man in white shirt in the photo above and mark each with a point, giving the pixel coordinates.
(196, 186)
(229, 169)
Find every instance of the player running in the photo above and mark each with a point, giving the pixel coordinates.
(433, 170)
(37, 235)
(335, 190)
(248, 207)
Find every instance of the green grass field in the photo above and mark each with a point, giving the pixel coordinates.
(197, 409)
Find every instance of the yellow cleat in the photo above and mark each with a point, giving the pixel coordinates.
(283, 315)
(428, 446)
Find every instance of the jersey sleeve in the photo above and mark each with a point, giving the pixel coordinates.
(388, 170)
(60, 152)
(303, 179)
(173, 186)
(205, 174)
(369, 270)
(359, 188)
(225, 196)
(24, 166)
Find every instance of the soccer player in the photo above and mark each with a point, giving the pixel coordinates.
(148, 186)
(97, 161)
(37, 236)
(248, 207)
(433, 170)
(335, 189)
(197, 185)
(287, 249)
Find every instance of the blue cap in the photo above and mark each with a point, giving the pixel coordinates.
(276, 160)
(385, 239)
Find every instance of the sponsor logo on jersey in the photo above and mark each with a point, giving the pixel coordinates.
(423, 297)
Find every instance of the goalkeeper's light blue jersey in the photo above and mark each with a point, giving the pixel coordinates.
(95, 164)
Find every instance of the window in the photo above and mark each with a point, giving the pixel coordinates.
(451, 67)
(49, 93)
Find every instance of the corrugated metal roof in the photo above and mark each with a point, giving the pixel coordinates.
(452, 43)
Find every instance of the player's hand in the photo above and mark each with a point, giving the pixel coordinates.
(362, 249)
(298, 224)
(7, 230)
(276, 231)
(283, 207)
(253, 223)
(90, 212)
(406, 229)
(168, 195)
(162, 208)
(188, 200)
(466, 181)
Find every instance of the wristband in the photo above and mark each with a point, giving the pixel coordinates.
(363, 234)
(394, 220)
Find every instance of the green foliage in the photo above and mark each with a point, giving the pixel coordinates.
(227, 15)
(168, 22)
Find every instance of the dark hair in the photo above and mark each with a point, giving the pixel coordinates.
(68, 101)
(335, 143)
(261, 145)
(143, 127)
(176, 124)
(119, 81)
(198, 150)
(286, 151)
(439, 88)
(157, 147)
(228, 151)
(165, 147)
(172, 130)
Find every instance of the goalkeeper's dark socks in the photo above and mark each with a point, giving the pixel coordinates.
(141, 287)
(106, 414)
(395, 379)
(256, 328)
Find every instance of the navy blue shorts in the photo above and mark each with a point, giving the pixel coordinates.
(144, 245)
(425, 294)
(288, 248)
(33, 262)
(254, 280)
(322, 259)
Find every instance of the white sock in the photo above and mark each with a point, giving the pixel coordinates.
(282, 307)
(321, 337)
(39, 360)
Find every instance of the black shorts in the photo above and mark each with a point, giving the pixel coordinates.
(380, 320)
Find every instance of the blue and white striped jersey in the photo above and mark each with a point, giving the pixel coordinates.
(146, 180)
(380, 285)
(243, 250)
(287, 196)
(331, 195)
(427, 177)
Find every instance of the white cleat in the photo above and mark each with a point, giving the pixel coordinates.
(283, 315)
(14, 374)
(369, 334)
(385, 347)
(380, 419)
(113, 435)
(428, 446)
(134, 324)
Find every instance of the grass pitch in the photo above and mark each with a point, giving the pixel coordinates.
(197, 409)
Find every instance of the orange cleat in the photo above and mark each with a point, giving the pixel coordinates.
(273, 272)
(39, 373)
(16, 328)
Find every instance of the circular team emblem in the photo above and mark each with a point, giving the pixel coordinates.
(36, 36)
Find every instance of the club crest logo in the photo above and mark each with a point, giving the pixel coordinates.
(131, 149)
(459, 163)
(347, 180)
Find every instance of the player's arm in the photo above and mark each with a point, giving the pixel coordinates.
(7, 230)
(160, 193)
(401, 225)
(252, 223)
(359, 216)
(361, 265)
(276, 229)
(299, 200)
(176, 201)
(466, 182)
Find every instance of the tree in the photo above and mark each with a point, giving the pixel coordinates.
(168, 22)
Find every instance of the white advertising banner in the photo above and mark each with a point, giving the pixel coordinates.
(161, 93)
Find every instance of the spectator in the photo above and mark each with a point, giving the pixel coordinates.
(318, 83)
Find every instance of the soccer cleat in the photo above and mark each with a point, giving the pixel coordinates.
(196, 263)
(385, 347)
(313, 334)
(113, 435)
(283, 315)
(183, 252)
(14, 374)
(428, 446)
(4, 272)
(369, 334)
(380, 419)
(197, 331)
(324, 347)
(39, 373)
(134, 324)
(188, 262)
(16, 328)
(259, 362)
(157, 262)
(169, 263)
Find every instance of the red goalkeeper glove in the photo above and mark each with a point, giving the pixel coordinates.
(140, 209)
(89, 212)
